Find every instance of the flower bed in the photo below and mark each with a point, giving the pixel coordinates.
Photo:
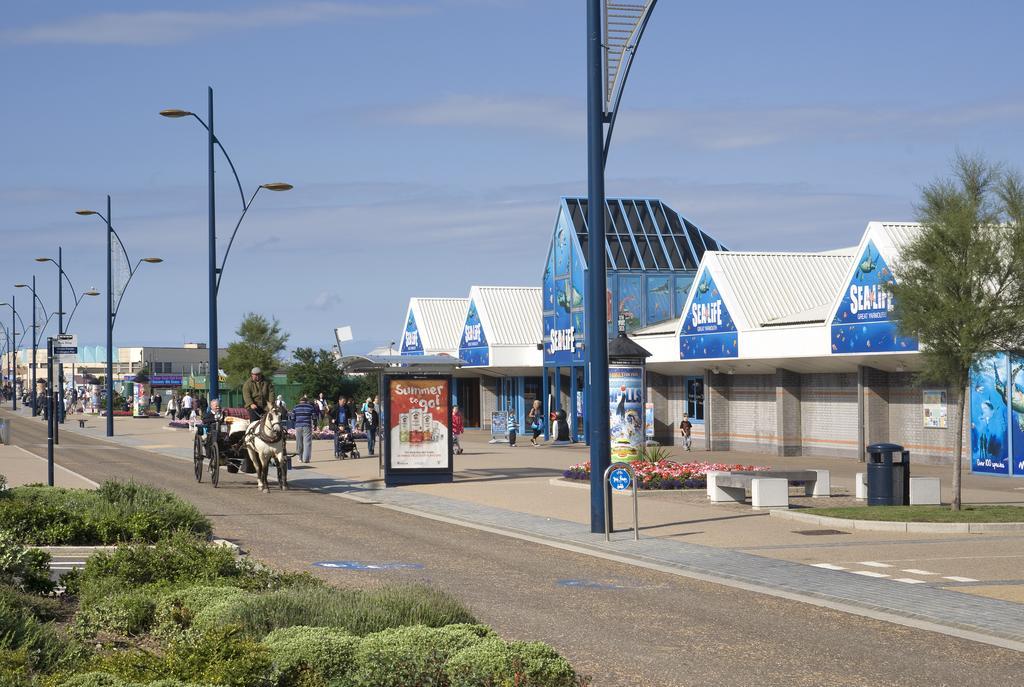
(666, 474)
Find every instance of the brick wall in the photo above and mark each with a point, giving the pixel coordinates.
(717, 412)
(788, 428)
(752, 416)
(828, 414)
(488, 401)
(906, 423)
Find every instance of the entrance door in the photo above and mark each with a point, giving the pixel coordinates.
(469, 401)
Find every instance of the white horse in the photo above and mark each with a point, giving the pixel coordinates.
(265, 441)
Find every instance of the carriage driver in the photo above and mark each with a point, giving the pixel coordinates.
(258, 394)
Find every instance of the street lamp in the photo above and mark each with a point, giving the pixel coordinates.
(216, 272)
(35, 335)
(12, 357)
(112, 307)
(61, 276)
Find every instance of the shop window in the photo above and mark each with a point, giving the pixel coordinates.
(694, 402)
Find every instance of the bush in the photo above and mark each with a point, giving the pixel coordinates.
(93, 679)
(358, 612)
(42, 607)
(23, 568)
(116, 512)
(496, 663)
(20, 631)
(176, 609)
(308, 656)
(127, 614)
(411, 655)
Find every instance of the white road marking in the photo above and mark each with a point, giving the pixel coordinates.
(828, 566)
(915, 571)
(875, 564)
(909, 580)
(954, 578)
(868, 573)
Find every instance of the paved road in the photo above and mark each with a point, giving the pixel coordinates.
(621, 624)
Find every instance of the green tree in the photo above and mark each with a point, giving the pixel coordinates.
(316, 370)
(960, 281)
(260, 344)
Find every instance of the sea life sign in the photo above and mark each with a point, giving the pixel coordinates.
(708, 330)
(863, 322)
(473, 347)
(411, 344)
(990, 450)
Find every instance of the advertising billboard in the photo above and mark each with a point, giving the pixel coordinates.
(419, 423)
(473, 347)
(989, 431)
(626, 411)
(708, 330)
(863, 321)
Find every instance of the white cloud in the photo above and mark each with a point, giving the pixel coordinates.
(169, 27)
(722, 129)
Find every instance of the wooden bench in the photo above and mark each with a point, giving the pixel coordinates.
(768, 488)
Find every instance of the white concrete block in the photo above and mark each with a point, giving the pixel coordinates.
(924, 491)
(769, 492)
(822, 487)
(716, 493)
(860, 483)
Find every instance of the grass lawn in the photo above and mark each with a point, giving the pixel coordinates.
(925, 513)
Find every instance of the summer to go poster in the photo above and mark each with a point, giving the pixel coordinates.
(418, 419)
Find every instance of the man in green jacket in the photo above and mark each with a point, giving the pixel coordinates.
(258, 394)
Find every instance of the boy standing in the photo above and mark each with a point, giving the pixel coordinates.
(513, 427)
(685, 427)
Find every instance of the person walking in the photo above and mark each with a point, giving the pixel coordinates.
(186, 406)
(513, 429)
(371, 422)
(172, 406)
(304, 417)
(257, 394)
(458, 427)
(685, 429)
(536, 418)
(157, 401)
(350, 407)
(339, 416)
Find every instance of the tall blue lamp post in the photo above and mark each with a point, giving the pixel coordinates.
(614, 30)
(112, 305)
(216, 272)
(61, 277)
(12, 355)
(36, 335)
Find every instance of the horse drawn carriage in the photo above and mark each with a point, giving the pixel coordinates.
(239, 445)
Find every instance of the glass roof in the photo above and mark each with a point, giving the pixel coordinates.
(644, 235)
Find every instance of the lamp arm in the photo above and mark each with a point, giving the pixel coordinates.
(226, 156)
(245, 209)
(622, 85)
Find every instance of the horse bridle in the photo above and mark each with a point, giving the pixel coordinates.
(278, 431)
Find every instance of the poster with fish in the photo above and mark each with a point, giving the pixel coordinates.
(626, 411)
(659, 299)
(708, 330)
(411, 344)
(863, 321)
(1017, 414)
(564, 285)
(683, 285)
(562, 246)
(630, 304)
(989, 435)
(473, 347)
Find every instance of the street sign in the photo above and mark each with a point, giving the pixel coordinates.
(65, 348)
(620, 479)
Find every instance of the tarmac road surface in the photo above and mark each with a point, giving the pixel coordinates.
(620, 624)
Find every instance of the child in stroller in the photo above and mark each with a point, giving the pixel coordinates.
(344, 445)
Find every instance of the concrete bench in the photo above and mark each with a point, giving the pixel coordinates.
(924, 491)
(768, 488)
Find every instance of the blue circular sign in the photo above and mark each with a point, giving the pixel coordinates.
(620, 479)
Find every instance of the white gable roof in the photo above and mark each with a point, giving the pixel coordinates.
(440, 322)
(511, 315)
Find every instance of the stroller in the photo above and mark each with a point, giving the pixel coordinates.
(344, 444)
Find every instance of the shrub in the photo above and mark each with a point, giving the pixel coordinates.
(411, 655)
(23, 568)
(127, 614)
(359, 612)
(42, 607)
(221, 657)
(176, 609)
(116, 512)
(93, 679)
(21, 631)
(307, 656)
(496, 663)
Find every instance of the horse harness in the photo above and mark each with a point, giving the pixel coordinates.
(264, 434)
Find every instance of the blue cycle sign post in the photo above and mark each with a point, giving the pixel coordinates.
(619, 477)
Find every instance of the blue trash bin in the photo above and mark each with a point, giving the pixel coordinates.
(888, 477)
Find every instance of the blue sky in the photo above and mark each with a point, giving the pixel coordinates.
(429, 142)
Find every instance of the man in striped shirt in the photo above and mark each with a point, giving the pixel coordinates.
(304, 417)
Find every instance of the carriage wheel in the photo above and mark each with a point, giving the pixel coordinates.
(197, 458)
(214, 464)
